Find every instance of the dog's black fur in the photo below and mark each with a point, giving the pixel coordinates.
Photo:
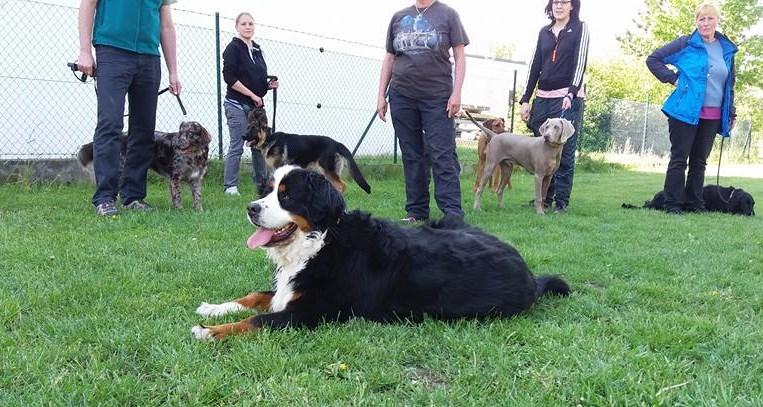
(383, 272)
(179, 156)
(307, 151)
(717, 199)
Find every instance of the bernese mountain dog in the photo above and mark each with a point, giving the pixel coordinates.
(334, 265)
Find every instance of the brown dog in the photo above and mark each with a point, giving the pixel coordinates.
(497, 126)
(180, 156)
(539, 155)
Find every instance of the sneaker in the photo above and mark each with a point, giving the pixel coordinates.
(232, 191)
(546, 205)
(411, 220)
(139, 205)
(106, 209)
(561, 209)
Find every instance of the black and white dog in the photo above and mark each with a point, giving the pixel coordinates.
(319, 153)
(717, 199)
(333, 265)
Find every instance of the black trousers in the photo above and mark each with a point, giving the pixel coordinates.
(560, 188)
(693, 143)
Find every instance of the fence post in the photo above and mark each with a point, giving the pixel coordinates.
(219, 89)
(513, 101)
(646, 124)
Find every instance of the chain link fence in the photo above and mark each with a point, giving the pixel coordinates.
(328, 85)
(628, 127)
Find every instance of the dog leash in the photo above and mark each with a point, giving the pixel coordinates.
(718, 175)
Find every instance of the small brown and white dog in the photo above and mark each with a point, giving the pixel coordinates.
(180, 157)
(539, 155)
(497, 126)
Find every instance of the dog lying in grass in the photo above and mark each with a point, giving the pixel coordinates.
(334, 265)
(717, 199)
(180, 157)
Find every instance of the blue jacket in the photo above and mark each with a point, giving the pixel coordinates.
(689, 56)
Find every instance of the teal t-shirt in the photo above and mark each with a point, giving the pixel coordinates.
(132, 25)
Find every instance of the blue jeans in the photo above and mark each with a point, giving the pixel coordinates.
(560, 188)
(137, 76)
(237, 124)
(428, 143)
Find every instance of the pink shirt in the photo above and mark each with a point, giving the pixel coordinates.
(710, 113)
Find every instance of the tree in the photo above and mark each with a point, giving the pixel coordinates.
(502, 51)
(666, 20)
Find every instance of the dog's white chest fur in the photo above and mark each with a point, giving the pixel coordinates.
(291, 260)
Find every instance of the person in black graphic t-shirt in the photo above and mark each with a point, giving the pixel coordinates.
(423, 100)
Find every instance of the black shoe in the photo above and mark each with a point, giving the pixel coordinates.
(561, 209)
(674, 211)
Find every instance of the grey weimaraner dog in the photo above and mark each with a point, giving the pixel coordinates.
(539, 155)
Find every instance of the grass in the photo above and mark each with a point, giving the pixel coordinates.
(666, 310)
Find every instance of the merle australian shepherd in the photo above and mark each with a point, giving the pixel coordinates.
(333, 265)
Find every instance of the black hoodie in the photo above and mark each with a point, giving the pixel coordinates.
(248, 68)
(558, 62)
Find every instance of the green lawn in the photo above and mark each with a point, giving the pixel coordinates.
(665, 311)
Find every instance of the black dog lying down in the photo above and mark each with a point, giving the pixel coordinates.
(717, 199)
(334, 265)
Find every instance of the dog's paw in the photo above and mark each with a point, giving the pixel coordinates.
(201, 333)
(218, 310)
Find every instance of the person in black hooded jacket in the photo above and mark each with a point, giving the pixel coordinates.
(245, 73)
(557, 68)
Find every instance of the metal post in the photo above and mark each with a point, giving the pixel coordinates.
(219, 89)
(643, 132)
(513, 101)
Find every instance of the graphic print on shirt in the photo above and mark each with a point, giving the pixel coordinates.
(416, 35)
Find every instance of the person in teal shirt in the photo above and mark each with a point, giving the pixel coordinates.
(126, 35)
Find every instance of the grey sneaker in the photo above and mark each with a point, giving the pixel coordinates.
(106, 209)
(410, 220)
(233, 191)
(139, 205)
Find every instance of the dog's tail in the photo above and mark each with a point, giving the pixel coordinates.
(487, 131)
(85, 155)
(630, 206)
(551, 285)
(354, 170)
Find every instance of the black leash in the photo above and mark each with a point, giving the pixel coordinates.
(272, 78)
(718, 175)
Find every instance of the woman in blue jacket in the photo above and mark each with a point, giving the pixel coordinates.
(701, 106)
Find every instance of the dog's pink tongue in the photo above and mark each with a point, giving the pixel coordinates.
(260, 237)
